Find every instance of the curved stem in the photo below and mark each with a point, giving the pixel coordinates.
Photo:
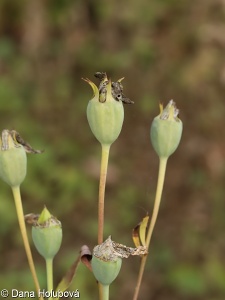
(20, 215)
(160, 183)
(49, 272)
(101, 199)
(159, 189)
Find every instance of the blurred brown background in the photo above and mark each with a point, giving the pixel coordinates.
(166, 50)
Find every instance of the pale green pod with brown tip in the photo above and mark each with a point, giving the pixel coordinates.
(105, 118)
(166, 131)
(106, 262)
(13, 160)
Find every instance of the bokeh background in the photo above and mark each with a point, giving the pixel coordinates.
(165, 50)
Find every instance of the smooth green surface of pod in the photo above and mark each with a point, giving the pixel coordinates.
(165, 136)
(13, 165)
(106, 271)
(105, 120)
(47, 240)
(166, 130)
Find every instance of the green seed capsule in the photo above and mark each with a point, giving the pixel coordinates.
(47, 235)
(106, 271)
(106, 263)
(13, 159)
(166, 131)
(105, 118)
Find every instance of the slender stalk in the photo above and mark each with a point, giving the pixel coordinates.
(49, 272)
(159, 189)
(105, 290)
(101, 199)
(101, 203)
(100, 291)
(20, 215)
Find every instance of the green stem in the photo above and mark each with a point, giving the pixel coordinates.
(101, 199)
(159, 189)
(20, 215)
(100, 291)
(105, 292)
(49, 272)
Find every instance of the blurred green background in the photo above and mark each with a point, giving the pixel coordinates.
(166, 50)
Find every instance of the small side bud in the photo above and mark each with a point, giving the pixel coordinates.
(166, 130)
(47, 234)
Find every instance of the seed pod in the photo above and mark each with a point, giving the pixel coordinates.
(105, 263)
(166, 130)
(105, 118)
(13, 159)
(47, 235)
(106, 271)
